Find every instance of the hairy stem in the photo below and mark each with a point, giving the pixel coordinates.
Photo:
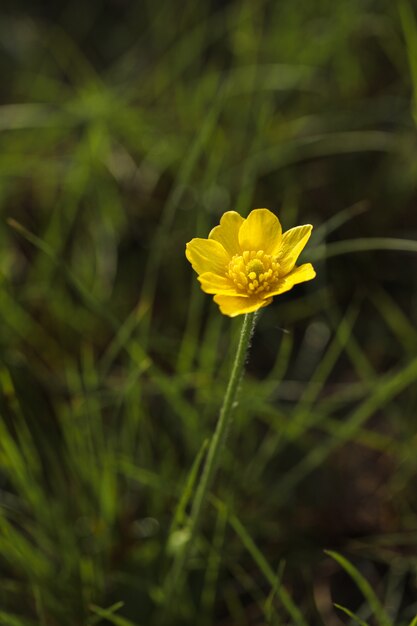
(175, 579)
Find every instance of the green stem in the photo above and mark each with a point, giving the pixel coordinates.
(213, 456)
(223, 423)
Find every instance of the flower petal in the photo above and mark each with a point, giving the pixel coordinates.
(227, 233)
(237, 305)
(207, 255)
(292, 244)
(299, 274)
(261, 230)
(213, 283)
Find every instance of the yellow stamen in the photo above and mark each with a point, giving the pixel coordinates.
(253, 271)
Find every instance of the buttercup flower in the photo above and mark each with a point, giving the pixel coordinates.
(245, 262)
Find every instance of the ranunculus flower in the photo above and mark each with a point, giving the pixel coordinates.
(245, 262)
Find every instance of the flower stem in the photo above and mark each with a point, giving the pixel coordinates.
(223, 423)
(214, 453)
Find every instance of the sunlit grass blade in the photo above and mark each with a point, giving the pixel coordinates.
(364, 587)
(110, 615)
(354, 618)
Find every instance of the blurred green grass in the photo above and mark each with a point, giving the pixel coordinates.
(125, 130)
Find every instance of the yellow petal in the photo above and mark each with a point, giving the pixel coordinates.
(298, 275)
(301, 274)
(207, 255)
(234, 305)
(261, 230)
(213, 283)
(227, 233)
(292, 244)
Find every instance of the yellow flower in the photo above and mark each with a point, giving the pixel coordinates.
(245, 262)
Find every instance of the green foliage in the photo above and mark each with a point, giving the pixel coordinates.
(126, 129)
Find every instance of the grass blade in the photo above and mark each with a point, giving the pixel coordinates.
(267, 571)
(364, 587)
(352, 615)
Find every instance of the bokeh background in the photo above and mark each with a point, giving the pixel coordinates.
(126, 129)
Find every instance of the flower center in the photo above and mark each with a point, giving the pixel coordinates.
(253, 271)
